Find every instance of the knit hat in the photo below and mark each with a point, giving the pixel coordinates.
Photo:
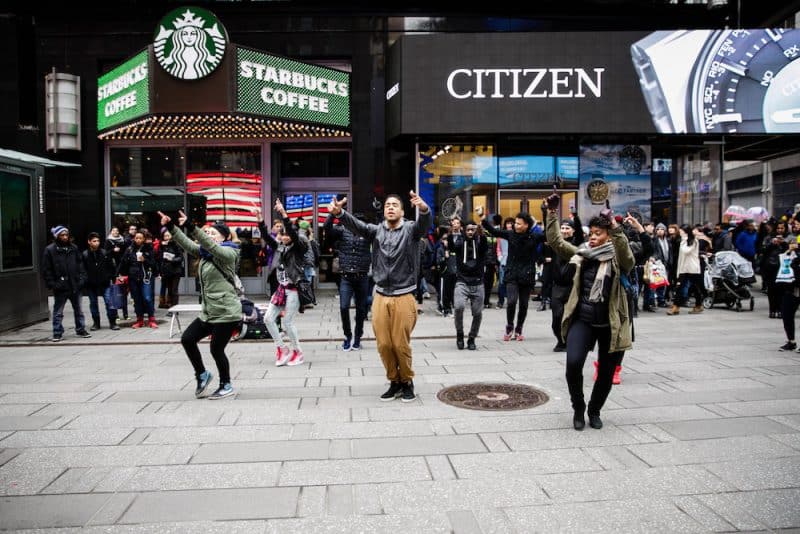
(304, 225)
(568, 222)
(58, 229)
(618, 218)
(220, 227)
(661, 226)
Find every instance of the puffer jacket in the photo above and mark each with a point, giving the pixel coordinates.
(354, 250)
(618, 315)
(220, 303)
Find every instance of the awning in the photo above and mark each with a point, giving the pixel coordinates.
(216, 126)
(30, 158)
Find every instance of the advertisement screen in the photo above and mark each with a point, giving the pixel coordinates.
(617, 173)
(527, 171)
(698, 81)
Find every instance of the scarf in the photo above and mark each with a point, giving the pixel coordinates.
(604, 254)
(206, 255)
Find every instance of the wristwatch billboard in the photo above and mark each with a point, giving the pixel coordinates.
(721, 81)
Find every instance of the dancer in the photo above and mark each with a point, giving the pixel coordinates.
(597, 308)
(395, 263)
(221, 309)
(470, 254)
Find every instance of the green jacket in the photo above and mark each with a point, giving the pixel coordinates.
(618, 316)
(220, 302)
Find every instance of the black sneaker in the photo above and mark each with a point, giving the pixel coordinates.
(460, 341)
(790, 345)
(408, 392)
(394, 391)
(95, 326)
(115, 326)
(56, 338)
(203, 382)
(560, 348)
(595, 421)
(83, 333)
(471, 344)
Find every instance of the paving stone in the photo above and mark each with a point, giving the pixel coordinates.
(220, 505)
(514, 465)
(47, 397)
(792, 440)
(399, 429)
(367, 499)
(59, 438)
(644, 516)
(565, 439)
(709, 450)
(273, 451)
(340, 500)
(49, 510)
(428, 523)
(24, 423)
(759, 473)
(702, 514)
(19, 477)
(757, 510)
(728, 427)
(312, 501)
(183, 477)
(416, 446)
(7, 410)
(462, 494)
(358, 471)
(217, 434)
(113, 509)
(767, 407)
(142, 420)
(99, 456)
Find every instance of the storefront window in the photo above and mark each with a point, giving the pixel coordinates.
(456, 179)
(145, 166)
(224, 184)
(15, 221)
(698, 199)
(315, 164)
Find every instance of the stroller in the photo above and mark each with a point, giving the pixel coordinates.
(728, 279)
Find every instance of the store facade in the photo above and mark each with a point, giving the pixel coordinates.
(197, 123)
(498, 120)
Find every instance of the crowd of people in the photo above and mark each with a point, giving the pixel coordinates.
(591, 277)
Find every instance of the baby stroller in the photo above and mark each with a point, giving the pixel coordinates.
(728, 279)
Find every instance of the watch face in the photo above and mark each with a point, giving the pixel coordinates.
(631, 158)
(747, 81)
(597, 191)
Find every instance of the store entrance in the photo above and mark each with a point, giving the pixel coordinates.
(530, 201)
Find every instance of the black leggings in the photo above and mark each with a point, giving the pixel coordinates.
(774, 297)
(789, 305)
(581, 337)
(221, 335)
(523, 294)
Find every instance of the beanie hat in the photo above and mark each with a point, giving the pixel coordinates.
(568, 222)
(303, 225)
(220, 227)
(58, 229)
(618, 218)
(661, 226)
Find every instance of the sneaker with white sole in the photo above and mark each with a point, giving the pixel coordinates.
(282, 355)
(788, 347)
(346, 345)
(203, 381)
(297, 358)
(356, 344)
(225, 390)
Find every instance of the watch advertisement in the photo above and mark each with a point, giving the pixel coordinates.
(617, 173)
(688, 81)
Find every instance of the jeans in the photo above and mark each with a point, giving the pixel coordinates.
(220, 336)
(523, 294)
(60, 301)
(353, 286)
(501, 286)
(291, 308)
(94, 310)
(142, 297)
(473, 295)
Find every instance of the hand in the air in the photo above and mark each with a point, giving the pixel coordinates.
(182, 218)
(165, 219)
(607, 212)
(279, 207)
(337, 206)
(417, 201)
(553, 200)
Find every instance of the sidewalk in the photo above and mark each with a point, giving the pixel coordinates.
(703, 435)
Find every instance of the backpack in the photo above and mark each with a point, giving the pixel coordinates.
(253, 326)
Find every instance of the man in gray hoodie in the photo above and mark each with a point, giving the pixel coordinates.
(395, 264)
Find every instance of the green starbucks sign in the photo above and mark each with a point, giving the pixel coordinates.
(123, 93)
(189, 43)
(278, 87)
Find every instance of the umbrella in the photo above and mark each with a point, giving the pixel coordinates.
(735, 213)
(758, 214)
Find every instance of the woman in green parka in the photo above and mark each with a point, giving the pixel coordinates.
(221, 307)
(597, 308)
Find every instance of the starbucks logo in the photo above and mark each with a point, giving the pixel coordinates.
(190, 42)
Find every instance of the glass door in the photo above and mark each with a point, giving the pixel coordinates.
(309, 211)
(530, 201)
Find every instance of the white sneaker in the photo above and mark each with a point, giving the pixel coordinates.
(297, 358)
(282, 355)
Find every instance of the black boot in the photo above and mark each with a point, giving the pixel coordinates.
(578, 421)
(113, 324)
(471, 343)
(595, 421)
(460, 341)
(95, 324)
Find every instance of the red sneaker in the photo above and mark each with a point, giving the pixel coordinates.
(297, 358)
(282, 355)
(152, 323)
(139, 323)
(617, 379)
(595, 370)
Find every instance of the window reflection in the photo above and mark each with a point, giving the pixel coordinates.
(15, 221)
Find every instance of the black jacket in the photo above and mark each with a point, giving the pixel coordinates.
(174, 266)
(470, 257)
(134, 268)
(293, 257)
(100, 268)
(62, 268)
(522, 255)
(354, 250)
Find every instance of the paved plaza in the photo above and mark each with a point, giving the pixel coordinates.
(105, 435)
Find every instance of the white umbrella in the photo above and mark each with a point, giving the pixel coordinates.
(735, 213)
(758, 214)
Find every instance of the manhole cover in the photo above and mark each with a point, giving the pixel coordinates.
(483, 396)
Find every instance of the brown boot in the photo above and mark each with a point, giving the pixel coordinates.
(697, 309)
(162, 302)
(675, 310)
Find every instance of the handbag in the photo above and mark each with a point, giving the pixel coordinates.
(117, 296)
(305, 292)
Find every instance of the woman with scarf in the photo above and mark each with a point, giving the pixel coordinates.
(597, 308)
(138, 264)
(221, 309)
(288, 262)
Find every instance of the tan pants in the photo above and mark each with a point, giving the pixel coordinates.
(393, 319)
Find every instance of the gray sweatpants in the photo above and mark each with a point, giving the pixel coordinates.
(473, 295)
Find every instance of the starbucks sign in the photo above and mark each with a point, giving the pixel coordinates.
(189, 43)
(123, 93)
